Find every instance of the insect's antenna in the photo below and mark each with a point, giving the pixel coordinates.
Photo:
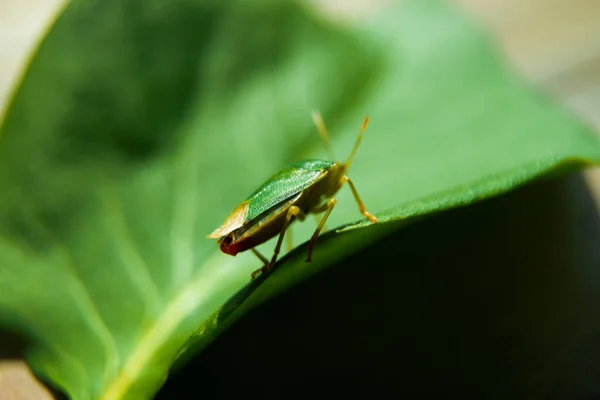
(316, 116)
(358, 140)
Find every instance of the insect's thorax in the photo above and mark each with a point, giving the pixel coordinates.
(325, 188)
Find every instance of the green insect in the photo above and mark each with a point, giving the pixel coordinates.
(305, 187)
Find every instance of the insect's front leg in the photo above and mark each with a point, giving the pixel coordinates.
(329, 207)
(293, 212)
(361, 205)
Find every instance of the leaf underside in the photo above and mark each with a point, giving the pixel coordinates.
(139, 125)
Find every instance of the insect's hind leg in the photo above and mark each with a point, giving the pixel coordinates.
(293, 212)
(329, 206)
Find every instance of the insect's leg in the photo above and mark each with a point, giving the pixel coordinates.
(290, 242)
(330, 204)
(316, 213)
(263, 259)
(361, 206)
(292, 213)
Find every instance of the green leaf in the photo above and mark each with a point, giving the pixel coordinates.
(140, 125)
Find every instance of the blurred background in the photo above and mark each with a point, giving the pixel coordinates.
(553, 44)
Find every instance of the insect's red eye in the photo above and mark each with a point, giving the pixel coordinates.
(227, 240)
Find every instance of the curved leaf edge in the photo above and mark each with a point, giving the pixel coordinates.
(266, 288)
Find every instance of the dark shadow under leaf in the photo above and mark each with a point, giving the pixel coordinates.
(495, 301)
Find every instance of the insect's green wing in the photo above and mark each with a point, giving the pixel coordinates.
(285, 184)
